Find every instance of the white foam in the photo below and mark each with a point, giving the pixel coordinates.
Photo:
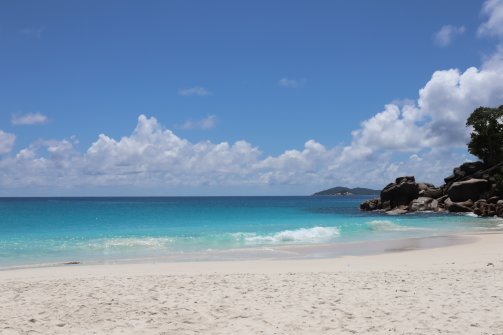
(386, 225)
(302, 235)
(130, 242)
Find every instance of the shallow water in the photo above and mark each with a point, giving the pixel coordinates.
(52, 230)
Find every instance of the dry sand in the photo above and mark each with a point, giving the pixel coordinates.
(456, 289)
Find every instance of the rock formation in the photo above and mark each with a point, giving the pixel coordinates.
(470, 189)
(473, 187)
(400, 193)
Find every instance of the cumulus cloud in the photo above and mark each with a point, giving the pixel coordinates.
(446, 35)
(425, 137)
(290, 83)
(434, 124)
(196, 90)
(154, 157)
(408, 138)
(151, 156)
(205, 123)
(493, 10)
(437, 119)
(35, 32)
(28, 119)
(6, 142)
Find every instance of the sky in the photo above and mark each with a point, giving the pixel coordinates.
(239, 98)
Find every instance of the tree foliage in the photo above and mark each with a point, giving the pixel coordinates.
(487, 135)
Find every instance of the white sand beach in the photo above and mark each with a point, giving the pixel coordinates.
(456, 289)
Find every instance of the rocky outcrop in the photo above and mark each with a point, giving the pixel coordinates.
(423, 204)
(432, 192)
(404, 195)
(401, 192)
(457, 207)
(470, 189)
(473, 187)
(371, 205)
(397, 211)
(465, 169)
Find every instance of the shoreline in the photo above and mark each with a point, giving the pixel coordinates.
(455, 289)
(406, 252)
(277, 252)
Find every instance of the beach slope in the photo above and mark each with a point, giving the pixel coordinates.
(456, 289)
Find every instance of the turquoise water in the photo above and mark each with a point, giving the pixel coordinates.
(52, 230)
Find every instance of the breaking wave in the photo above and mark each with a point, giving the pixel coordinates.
(302, 235)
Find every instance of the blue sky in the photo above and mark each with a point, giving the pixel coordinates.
(273, 74)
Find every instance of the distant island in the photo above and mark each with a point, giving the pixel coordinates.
(341, 190)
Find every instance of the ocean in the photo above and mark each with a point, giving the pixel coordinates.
(47, 231)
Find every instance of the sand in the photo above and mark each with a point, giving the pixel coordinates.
(456, 289)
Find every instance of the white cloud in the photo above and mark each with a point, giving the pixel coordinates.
(206, 123)
(196, 90)
(6, 142)
(446, 34)
(437, 119)
(28, 119)
(408, 138)
(493, 10)
(153, 157)
(434, 124)
(425, 137)
(290, 83)
(35, 32)
(150, 157)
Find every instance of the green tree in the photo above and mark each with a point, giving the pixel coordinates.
(487, 135)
